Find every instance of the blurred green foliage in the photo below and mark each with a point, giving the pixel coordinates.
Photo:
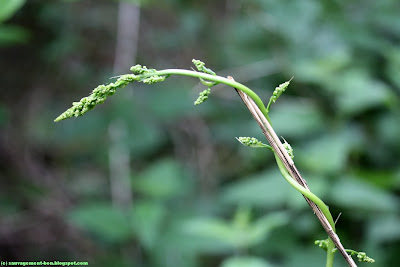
(198, 197)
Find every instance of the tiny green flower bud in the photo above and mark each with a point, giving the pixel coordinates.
(154, 79)
(203, 96)
(322, 243)
(201, 67)
(362, 256)
(278, 92)
(288, 148)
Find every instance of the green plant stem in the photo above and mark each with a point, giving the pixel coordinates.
(325, 210)
(217, 79)
(286, 175)
(330, 254)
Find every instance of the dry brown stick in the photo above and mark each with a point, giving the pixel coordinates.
(276, 144)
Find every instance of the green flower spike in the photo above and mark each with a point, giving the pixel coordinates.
(251, 142)
(98, 96)
(100, 93)
(278, 92)
(203, 96)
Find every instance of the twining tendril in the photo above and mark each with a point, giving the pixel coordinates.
(361, 256)
(203, 96)
(251, 142)
(278, 92)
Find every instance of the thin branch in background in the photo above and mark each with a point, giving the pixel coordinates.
(119, 158)
(119, 154)
(127, 36)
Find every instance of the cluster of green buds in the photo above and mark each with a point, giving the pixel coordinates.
(203, 96)
(361, 256)
(98, 96)
(288, 148)
(201, 66)
(148, 76)
(101, 92)
(251, 142)
(278, 92)
(322, 243)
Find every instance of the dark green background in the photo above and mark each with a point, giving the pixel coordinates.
(197, 197)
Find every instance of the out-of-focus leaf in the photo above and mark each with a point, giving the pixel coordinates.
(211, 228)
(260, 229)
(144, 135)
(146, 220)
(296, 117)
(163, 179)
(324, 155)
(171, 99)
(328, 154)
(9, 7)
(102, 220)
(186, 242)
(307, 256)
(357, 195)
(357, 92)
(321, 70)
(245, 262)
(388, 128)
(10, 34)
(384, 179)
(268, 189)
(384, 229)
(4, 115)
(241, 233)
(393, 66)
